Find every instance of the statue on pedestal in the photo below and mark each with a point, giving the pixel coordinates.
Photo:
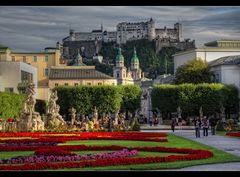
(29, 119)
(72, 114)
(222, 114)
(54, 119)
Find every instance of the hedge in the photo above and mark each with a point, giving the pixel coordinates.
(107, 99)
(190, 97)
(10, 104)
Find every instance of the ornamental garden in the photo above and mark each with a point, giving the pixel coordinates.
(97, 128)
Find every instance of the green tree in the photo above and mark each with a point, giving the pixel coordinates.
(131, 98)
(195, 71)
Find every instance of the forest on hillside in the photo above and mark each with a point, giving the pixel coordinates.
(152, 63)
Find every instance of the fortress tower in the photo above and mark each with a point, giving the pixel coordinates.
(151, 30)
(178, 26)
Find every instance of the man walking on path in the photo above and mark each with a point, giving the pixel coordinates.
(197, 124)
(205, 124)
(213, 123)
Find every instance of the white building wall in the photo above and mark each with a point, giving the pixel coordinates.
(10, 75)
(184, 57)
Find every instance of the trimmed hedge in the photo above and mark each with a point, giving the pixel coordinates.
(107, 99)
(10, 104)
(190, 97)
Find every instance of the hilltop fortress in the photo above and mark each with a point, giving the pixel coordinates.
(90, 43)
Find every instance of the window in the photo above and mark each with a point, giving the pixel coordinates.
(117, 75)
(99, 83)
(34, 58)
(24, 59)
(46, 72)
(46, 58)
(89, 83)
(66, 84)
(56, 84)
(76, 84)
(9, 89)
(13, 58)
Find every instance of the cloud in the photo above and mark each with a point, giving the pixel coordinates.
(34, 28)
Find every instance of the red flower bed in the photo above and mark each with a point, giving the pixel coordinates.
(65, 150)
(193, 155)
(48, 152)
(82, 134)
(236, 134)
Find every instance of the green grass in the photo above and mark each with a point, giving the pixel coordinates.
(174, 141)
(7, 155)
(222, 133)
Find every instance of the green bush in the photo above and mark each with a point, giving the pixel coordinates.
(135, 126)
(220, 126)
(131, 97)
(107, 99)
(10, 104)
(190, 97)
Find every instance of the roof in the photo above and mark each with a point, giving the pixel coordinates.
(228, 60)
(76, 73)
(134, 58)
(119, 57)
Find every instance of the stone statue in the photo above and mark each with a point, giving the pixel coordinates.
(72, 112)
(95, 115)
(53, 116)
(29, 119)
(222, 109)
(179, 112)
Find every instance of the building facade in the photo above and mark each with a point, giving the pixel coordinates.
(127, 76)
(226, 70)
(78, 75)
(90, 43)
(146, 30)
(209, 52)
(40, 60)
(15, 73)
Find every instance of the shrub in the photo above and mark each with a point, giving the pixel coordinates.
(10, 104)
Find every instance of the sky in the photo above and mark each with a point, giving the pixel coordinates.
(34, 28)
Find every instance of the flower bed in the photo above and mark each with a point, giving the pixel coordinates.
(46, 157)
(49, 155)
(236, 134)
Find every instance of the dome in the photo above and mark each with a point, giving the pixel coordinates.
(119, 57)
(134, 58)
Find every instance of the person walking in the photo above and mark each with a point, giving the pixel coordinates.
(205, 124)
(213, 123)
(197, 124)
(173, 124)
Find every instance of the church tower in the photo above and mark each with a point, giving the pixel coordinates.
(136, 71)
(79, 60)
(134, 60)
(151, 30)
(120, 71)
(119, 58)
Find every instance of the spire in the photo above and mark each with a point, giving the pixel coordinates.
(101, 27)
(134, 58)
(79, 59)
(119, 57)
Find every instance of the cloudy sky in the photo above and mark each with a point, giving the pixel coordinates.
(34, 28)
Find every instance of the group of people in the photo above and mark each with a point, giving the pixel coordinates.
(199, 124)
(205, 123)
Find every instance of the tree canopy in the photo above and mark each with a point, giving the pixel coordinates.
(195, 71)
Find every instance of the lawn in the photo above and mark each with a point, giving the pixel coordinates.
(173, 141)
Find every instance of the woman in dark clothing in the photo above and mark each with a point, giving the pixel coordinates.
(173, 124)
